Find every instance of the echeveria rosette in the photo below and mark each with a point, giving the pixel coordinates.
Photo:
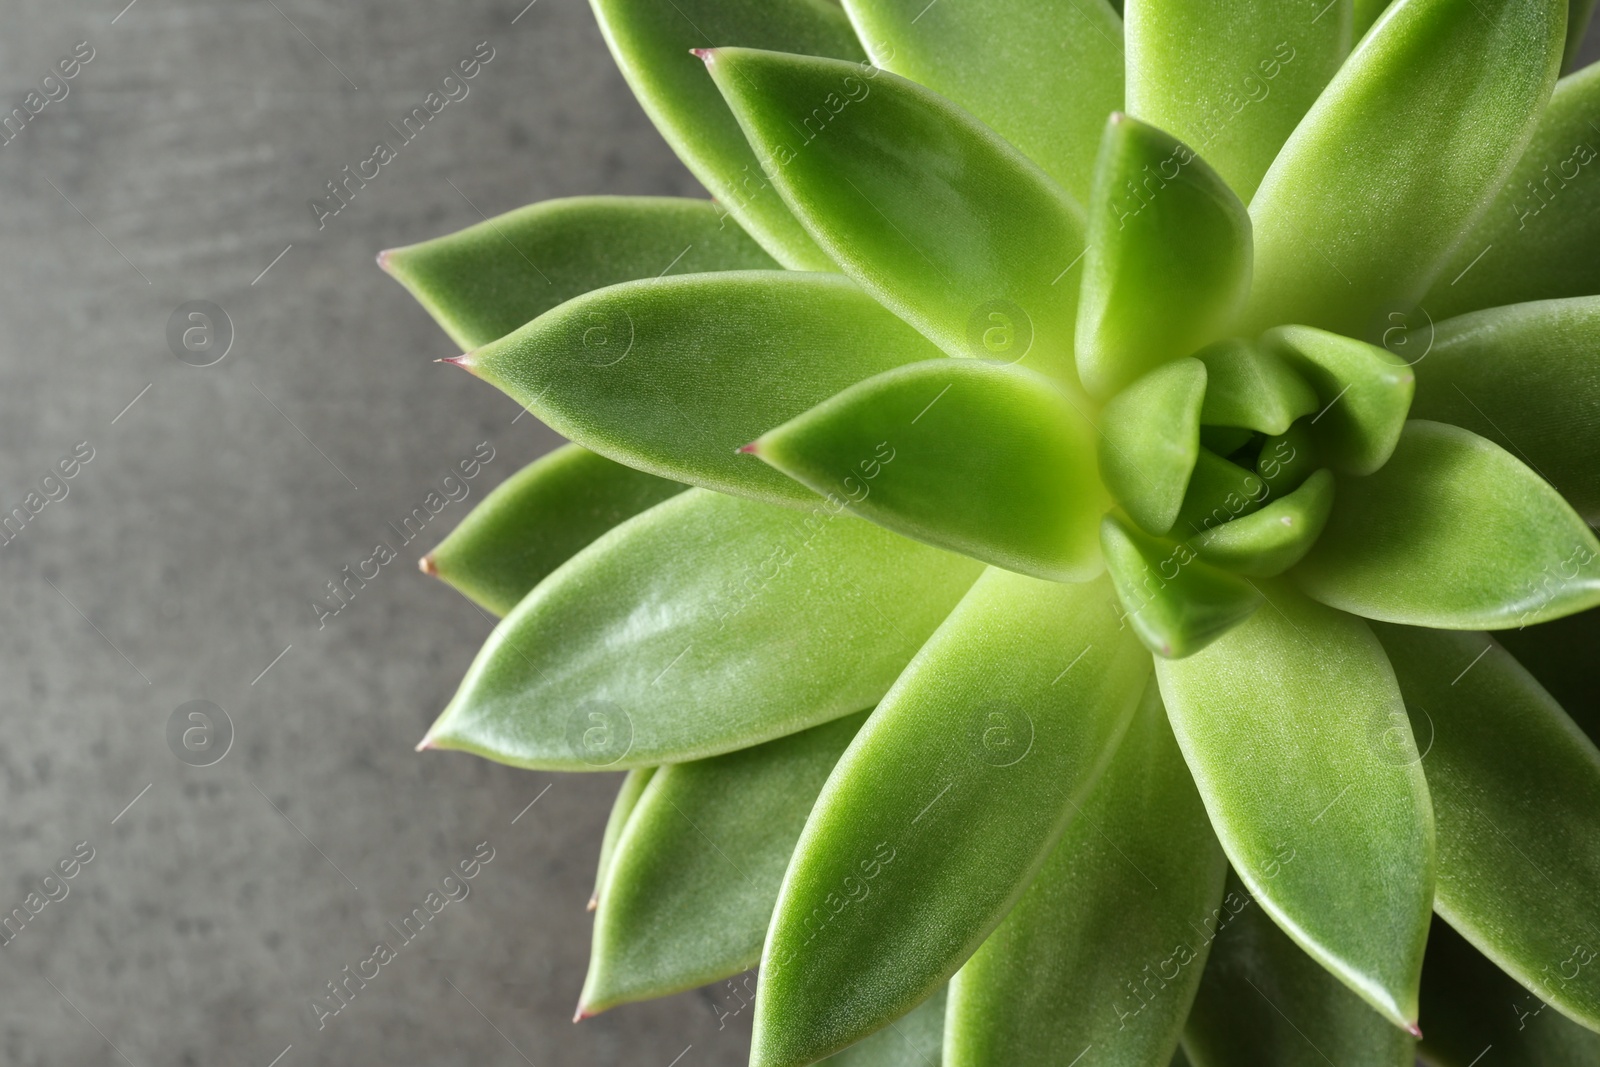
(1075, 635)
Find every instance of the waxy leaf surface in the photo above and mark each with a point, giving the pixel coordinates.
(924, 206)
(1150, 437)
(673, 376)
(651, 42)
(1232, 80)
(689, 895)
(632, 788)
(943, 809)
(1219, 491)
(1281, 721)
(1270, 541)
(1536, 240)
(485, 281)
(1249, 386)
(1399, 155)
(536, 520)
(995, 462)
(1107, 947)
(706, 624)
(1265, 1002)
(1168, 265)
(1516, 794)
(917, 1040)
(1364, 393)
(1176, 602)
(1456, 533)
(1470, 1006)
(1045, 76)
(1526, 378)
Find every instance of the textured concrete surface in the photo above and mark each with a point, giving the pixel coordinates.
(184, 558)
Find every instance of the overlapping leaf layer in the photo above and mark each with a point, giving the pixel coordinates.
(1161, 401)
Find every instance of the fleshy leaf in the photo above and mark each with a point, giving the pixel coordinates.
(1176, 602)
(651, 42)
(1526, 378)
(688, 897)
(672, 376)
(943, 809)
(1044, 76)
(1456, 533)
(706, 624)
(1168, 265)
(1106, 949)
(1470, 1006)
(1364, 393)
(1270, 541)
(1280, 721)
(632, 788)
(1151, 437)
(1219, 491)
(991, 461)
(536, 520)
(482, 282)
(929, 210)
(1559, 653)
(1234, 79)
(1398, 156)
(1516, 793)
(917, 1040)
(1263, 1001)
(1287, 460)
(1536, 240)
(1250, 386)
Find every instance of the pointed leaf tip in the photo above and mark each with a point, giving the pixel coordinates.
(1414, 1030)
(705, 55)
(465, 361)
(425, 744)
(383, 260)
(751, 449)
(427, 566)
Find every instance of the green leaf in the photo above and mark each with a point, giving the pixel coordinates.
(1370, 195)
(1470, 1006)
(1287, 460)
(994, 462)
(673, 376)
(633, 784)
(1454, 532)
(1168, 265)
(706, 624)
(482, 282)
(536, 520)
(689, 895)
(929, 210)
(1106, 949)
(1536, 239)
(1043, 75)
(1234, 79)
(1270, 541)
(1250, 386)
(1331, 832)
(1219, 492)
(1263, 1001)
(943, 809)
(1526, 378)
(1516, 793)
(1177, 603)
(1151, 438)
(1363, 391)
(1559, 653)
(651, 42)
(917, 1040)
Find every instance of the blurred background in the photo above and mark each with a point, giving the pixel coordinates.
(210, 506)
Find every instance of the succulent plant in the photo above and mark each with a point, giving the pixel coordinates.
(1113, 432)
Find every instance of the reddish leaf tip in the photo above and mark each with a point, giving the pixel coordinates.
(705, 55)
(383, 260)
(582, 1013)
(464, 361)
(425, 744)
(1414, 1030)
(426, 566)
(751, 449)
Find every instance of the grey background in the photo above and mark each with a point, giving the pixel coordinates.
(188, 553)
